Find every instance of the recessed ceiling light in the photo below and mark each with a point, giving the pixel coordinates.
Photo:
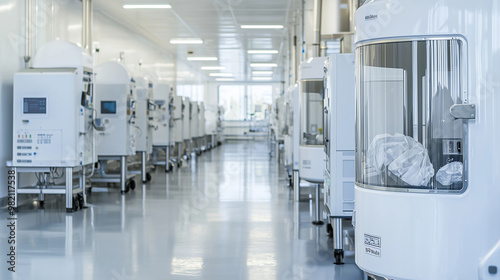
(255, 26)
(262, 72)
(213, 68)
(263, 65)
(187, 41)
(262, 78)
(202, 58)
(220, 74)
(225, 79)
(147, 6)
(262, 51)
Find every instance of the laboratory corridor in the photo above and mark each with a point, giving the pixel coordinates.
(227, 214)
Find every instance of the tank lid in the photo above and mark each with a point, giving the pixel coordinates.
(112, 72)
(59, 53)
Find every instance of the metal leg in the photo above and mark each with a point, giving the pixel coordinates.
(83, 187)
(317, 220)
(167, 159)
(123, 173)
(277, 151)
(338, 244)
(296, 186)
(143, 166)
(179, 156)
(41, 195)
(69, 189)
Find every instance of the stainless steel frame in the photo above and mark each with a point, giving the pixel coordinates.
(68, 189)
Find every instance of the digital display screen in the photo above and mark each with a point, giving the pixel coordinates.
(108, 107)
(36, 105)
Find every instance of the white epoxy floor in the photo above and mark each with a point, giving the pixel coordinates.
(227, 215)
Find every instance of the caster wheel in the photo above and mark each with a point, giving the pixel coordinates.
(127, 187)
(171, 167)
(80, 201)
(179, 165)
(75, 204)
(339, 256)
(329, 230)
(148, 177)
(41, 203)
(132, 185)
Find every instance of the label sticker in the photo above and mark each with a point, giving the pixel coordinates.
(373, 252)
(373, 245)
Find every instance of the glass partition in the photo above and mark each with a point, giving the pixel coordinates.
(406, 137)
(311, 112)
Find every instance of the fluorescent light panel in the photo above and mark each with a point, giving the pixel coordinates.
(262, 78)
(202, 58)
(256, 26)
(262, 72)
(147, 6)
(220, 74)
(213, 68)
(262, 51)
(187, 41)
(163, 65)
(263, 65)
(225, 79)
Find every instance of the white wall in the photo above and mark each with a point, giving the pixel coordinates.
(61, 19)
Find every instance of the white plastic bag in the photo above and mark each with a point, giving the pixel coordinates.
(450, 173)
(403, 156)
(384, 149)
(414, 166)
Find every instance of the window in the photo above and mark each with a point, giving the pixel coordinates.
(406, 137)
(311, 113)
(245, 102)
(194, 92)
(232, 98)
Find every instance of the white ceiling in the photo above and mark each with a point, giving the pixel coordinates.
(217, 22)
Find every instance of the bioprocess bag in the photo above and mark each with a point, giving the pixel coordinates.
(402, 156)
(450, 173)
(384, 149)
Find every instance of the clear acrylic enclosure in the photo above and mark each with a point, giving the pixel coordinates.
(311, 112)
(406, 137)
